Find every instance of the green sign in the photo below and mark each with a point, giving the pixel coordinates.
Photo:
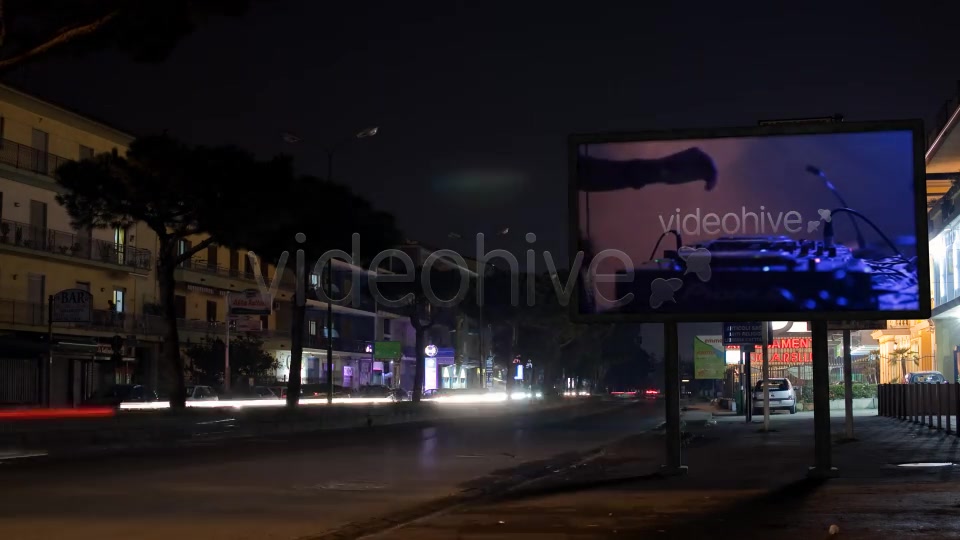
(708, 361)
(387, 350)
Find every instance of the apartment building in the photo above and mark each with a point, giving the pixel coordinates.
(41, 254)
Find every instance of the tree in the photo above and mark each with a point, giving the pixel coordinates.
(328, 215)
(901, 356)
(147, 30)
(544, 330)
(178, 191)
(247, 359)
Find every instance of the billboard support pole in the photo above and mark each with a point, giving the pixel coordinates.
(766, 376)
(848, 384)
(226, 352)
(823, 453)
(671, 375)
(47, 364)
(747, 382)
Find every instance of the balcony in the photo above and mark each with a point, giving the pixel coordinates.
(204, 266)
(30, 159)
(29, 314)
(67, 244)
(339, 344)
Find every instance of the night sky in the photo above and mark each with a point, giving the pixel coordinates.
(475, 103)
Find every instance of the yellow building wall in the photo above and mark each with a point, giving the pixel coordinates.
(16, 268)
(196, 302)
(67, 131)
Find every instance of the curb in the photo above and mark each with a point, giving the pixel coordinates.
(105, 443)
(493, 487)
(401, 518)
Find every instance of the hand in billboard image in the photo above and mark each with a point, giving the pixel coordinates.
(690, 165)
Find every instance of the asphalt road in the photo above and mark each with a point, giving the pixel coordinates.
(284, 488)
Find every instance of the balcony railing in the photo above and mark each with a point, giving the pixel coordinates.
(13, 233)
(19, 313)
(28, 158)
(198, 264)
(943, 117)
(339, 344)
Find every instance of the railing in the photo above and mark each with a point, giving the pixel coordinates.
(18, 313)
(339, 344)
(198, 264)
(943, 117)
(13, 233)
(31, 159)
(932, 405)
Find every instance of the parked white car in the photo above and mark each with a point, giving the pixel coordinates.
(201, 393)
(782, 396)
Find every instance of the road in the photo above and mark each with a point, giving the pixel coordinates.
(282, 489)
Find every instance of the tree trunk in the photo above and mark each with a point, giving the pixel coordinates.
(420, 371)
(171, 338)
(299, 315)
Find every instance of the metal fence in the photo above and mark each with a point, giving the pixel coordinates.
(24, 235)
(32, 314)
(31, 159)
(932, 405)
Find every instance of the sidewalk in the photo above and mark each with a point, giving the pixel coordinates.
(741, 483)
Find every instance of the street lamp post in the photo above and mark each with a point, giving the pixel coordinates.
(328, 282)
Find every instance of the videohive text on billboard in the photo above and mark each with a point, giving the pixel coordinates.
(809, 224)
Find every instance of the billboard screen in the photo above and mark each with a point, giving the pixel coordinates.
(802, 222)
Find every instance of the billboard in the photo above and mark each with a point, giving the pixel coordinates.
(249, 302)
(796, 222)
(709, 362)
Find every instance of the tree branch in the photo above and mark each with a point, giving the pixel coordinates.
(183, 257)
(3, 23)
(58, 40)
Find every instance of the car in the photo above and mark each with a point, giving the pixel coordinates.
(117, 394)
(783, 397)
(202, 393)
(925, 377)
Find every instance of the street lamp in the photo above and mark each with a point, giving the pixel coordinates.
(328, 282)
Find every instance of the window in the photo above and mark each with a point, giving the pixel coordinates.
(211, 310)
(313, 328)
(180, 302)
(40, 141)
(86, 152)
(314, 280)
(183, 248)
(120, 242)
(83, 285)
(234, 261)
(212, 256)
(247, 268)
(119, 294)
(264, 322)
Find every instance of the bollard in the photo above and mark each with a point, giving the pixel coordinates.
(931, 408)
(947, 399)
(914, 402)
(939, 398)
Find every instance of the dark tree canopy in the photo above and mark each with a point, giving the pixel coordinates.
(178, 191)
(146, 30)
(175, 189)
(247, 359)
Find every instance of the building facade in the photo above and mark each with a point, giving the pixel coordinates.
(41, 253)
